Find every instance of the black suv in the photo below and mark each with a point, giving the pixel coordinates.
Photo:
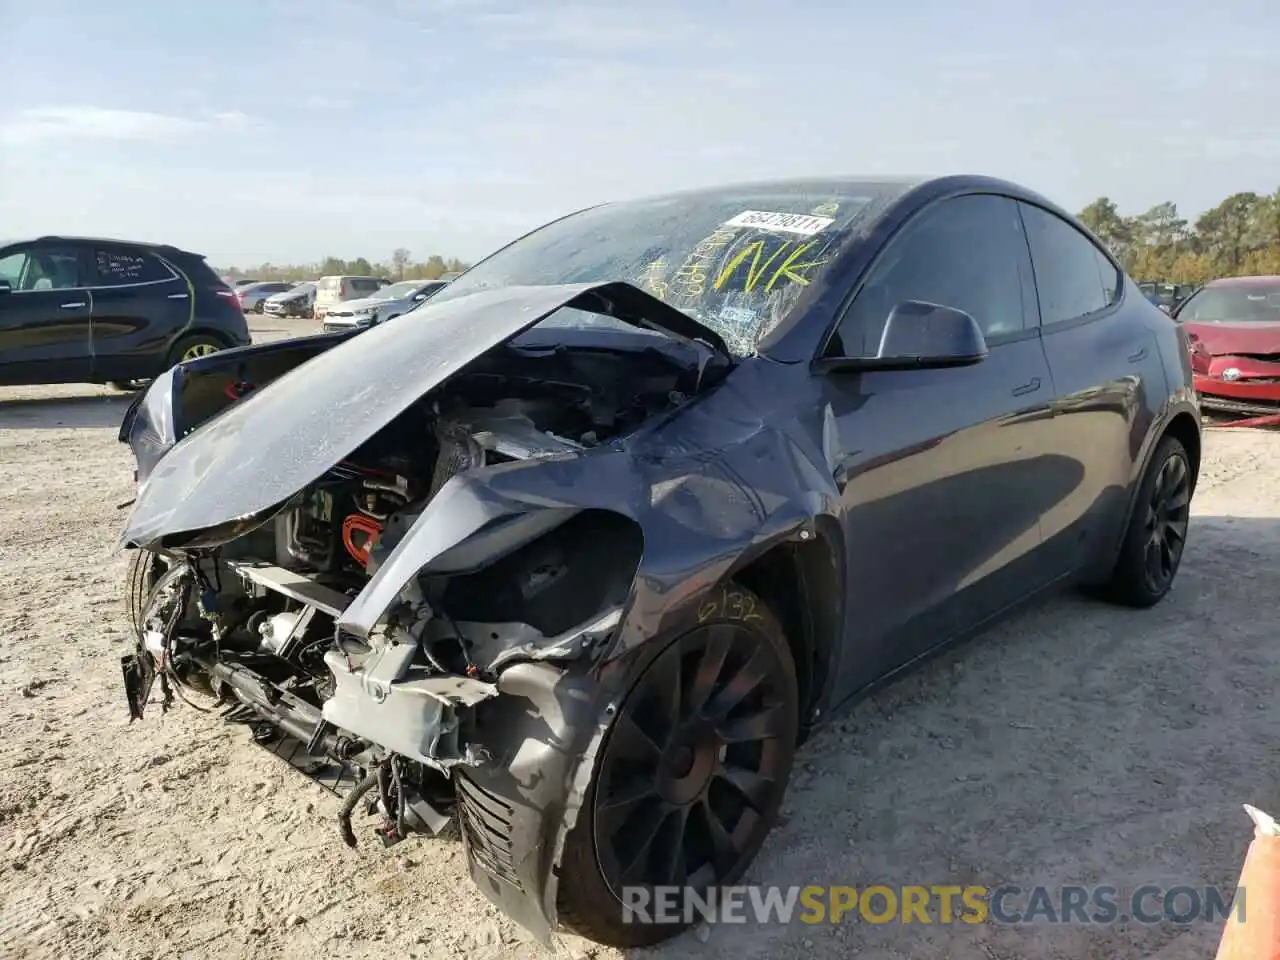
(80, 310)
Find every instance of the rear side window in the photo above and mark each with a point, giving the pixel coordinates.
(118, 268)
(1073, 277)
(198, 271)
(364, 285)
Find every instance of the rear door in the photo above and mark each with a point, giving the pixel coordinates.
(141, 306)
(1107, 373)
(45, 328)
(945, 472)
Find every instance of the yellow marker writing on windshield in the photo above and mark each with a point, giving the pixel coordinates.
(790, 269)
(756, 269)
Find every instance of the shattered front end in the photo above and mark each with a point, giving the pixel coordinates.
(410, 597)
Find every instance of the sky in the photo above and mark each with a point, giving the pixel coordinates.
(289, 130)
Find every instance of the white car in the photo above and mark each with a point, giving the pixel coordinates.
(390, 301)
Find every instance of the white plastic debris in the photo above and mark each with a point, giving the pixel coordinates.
(1264, 824)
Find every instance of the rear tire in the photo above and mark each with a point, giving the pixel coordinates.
(195, 345)
(1157, 534)
(698, 770)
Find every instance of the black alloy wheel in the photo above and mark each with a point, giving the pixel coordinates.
(1156, 536)
(1168, 513)
(692, 773)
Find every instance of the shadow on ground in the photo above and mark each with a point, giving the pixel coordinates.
(64, 413)
(1075, 744)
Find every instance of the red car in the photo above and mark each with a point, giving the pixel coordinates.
(1234, 326)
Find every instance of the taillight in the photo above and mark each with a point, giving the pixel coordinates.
(232, 296)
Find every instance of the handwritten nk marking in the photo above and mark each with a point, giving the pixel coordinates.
(756, 271)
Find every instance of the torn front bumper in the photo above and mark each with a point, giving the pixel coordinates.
(517, 808)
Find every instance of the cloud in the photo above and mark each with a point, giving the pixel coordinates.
(40, 124)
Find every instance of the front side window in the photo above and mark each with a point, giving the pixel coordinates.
(119, 268)
(42, 268)
(1070, 280)
(968, 253)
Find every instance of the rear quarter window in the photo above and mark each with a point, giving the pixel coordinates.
(117, 268)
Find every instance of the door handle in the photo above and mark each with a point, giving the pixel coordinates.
(1030, 386)
(73, 306)
(177, 296)
(1140, 355)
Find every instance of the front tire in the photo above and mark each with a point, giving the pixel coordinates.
(690, 777)
(1157, 534)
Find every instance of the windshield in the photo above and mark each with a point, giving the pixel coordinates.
(397, 290)
(735, 259)
(1240, 303)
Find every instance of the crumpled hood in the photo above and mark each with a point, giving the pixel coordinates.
(1233, 339)
(256, 454)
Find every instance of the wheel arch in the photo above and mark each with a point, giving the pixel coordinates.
(205, 329)
(801, 579)
(1186, 429)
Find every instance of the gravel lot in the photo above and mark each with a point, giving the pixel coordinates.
(1074, 744)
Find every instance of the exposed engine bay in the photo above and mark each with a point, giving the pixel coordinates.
(246, 616)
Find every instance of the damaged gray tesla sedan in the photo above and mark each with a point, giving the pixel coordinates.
(582, 553)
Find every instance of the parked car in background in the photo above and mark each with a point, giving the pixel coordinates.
(297, 301)
(703, 469)
(252, 296)
(244, 282)
(336, 289)
(1166, 296)
(389, 302)
(88, 310)
(1234, 328)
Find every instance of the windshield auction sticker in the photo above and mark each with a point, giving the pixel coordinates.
(802, 223)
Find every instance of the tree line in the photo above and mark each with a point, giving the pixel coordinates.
(400, 266)
(1238, 237)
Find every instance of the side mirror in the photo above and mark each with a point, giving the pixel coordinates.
(922, 336)
(5, 287)
(419, 296)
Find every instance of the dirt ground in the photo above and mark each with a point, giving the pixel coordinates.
(1075, 744)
